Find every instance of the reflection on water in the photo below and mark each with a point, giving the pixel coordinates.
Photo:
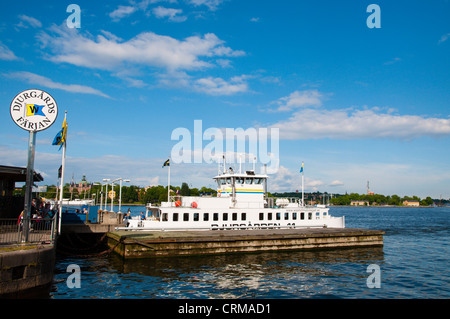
(294, 274)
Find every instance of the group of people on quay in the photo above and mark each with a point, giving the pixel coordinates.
(41, 212)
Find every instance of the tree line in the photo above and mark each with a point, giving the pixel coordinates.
(130, 194)
(340, 199)
(157, 194)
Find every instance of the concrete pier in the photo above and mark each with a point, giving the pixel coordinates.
(26, 271)
(142, 244)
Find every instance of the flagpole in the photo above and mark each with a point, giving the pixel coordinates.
(168, 184)
(303, 192)
(63, 165)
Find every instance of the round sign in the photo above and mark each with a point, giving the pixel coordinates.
(34, 110)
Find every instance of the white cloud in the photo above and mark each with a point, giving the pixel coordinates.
(46, 82)
(308, 121)
(26, 21)
(285, 180)
(444, 38)
(172, 14)
(366, 123)
(211, 4)
(300, 99)
(6, 53)
(121, 12)
(145, 49)
(394, 60)
(218, 86)
(336, 183)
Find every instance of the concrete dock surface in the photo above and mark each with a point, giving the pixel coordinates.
(142, 244)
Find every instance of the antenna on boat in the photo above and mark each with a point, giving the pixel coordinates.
(240, 163)
(224, 167)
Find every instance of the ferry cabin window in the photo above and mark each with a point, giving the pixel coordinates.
(196, 217)
(164, 217)
(205, 217)
(249, 181)
(269, 216)
(294, 216)
(216, 216)
(261, 216)
(175, 217)
(186, 217)
(228, 180)
(225, 216)
(302, 215)
(309, 215)
(234, 216)
(278, 216)
(286, 216)
(243, 216)
(317, 215)
(258, 180)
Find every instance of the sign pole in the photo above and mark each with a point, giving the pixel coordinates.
(29, 184)
(32, 110)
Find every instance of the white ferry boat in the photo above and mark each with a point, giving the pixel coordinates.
(241, 203)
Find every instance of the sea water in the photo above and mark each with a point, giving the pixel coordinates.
(413, 263)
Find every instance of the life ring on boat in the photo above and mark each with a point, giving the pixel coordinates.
(178, 203)
(194, 205)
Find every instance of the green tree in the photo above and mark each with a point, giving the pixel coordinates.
(185, 191)
(427, 201)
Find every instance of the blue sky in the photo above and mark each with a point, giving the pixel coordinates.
(356, 104)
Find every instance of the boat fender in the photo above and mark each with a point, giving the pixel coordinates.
(178, 203)
(194, 205)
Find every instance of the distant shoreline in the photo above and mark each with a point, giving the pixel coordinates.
(388, 206)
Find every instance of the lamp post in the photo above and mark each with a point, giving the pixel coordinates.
(101, 194)
(120, 192)
(112, 194)
(120, 196)
(106, 190)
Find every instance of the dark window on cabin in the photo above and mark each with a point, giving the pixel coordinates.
(294, 216)
(216, 216)
(309, 215)
(196, 217)
(225, 216)
(234, 216)
(286, 216)
(205, 217)
(164, 217)
(175, 217)
(278, 216)
(186, 217)
(269, 216)
(243, 216)
(302, 215)
(261, 216)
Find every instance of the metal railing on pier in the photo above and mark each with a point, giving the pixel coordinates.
(42, 230)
